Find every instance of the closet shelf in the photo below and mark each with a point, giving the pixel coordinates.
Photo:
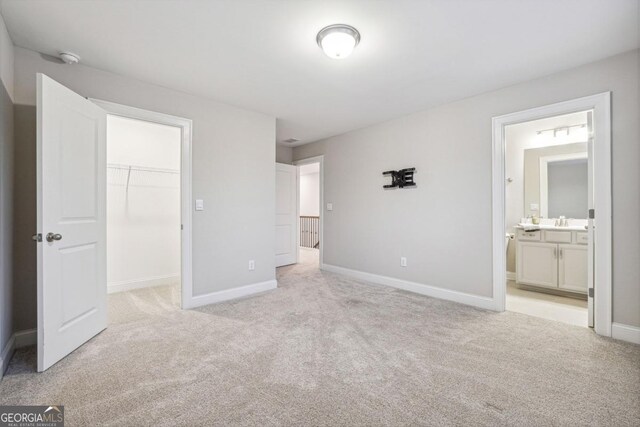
(141, 168)
(142, 176)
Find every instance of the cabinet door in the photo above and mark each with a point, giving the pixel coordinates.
(537, 264)
(573, 267)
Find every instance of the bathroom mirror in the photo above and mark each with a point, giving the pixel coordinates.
(556, 181)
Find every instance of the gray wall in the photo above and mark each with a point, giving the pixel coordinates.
(284, 154)
(6, 186)
(233, 171)
(443, 226)
(24, 208)
(6, 215)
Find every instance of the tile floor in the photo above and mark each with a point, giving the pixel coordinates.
(568, 310)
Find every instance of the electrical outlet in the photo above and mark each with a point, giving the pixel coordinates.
(403, 261)
(329, 206)
(252, 265)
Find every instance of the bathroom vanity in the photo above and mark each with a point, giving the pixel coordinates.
(552, 258)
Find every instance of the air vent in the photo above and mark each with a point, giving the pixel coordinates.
(291, 140)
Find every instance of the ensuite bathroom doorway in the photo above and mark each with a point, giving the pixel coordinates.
(548, 189)
(549, 236)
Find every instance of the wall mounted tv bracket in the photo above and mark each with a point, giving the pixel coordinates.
(401, 178)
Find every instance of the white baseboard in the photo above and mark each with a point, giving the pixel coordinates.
(17, 340)
(623, 332)
(129, 285)
(419, 288)
(511, 275)
(233, 293)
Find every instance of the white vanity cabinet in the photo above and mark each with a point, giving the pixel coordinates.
(537, 264)
(552, 259)
(572, 268)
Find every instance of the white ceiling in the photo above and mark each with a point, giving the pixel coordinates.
(262, 55)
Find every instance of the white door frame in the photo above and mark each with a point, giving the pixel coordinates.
(186, 269)
(307, 161)
(601, 106)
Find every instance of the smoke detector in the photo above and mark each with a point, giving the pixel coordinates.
(69, 58)
(291, 140)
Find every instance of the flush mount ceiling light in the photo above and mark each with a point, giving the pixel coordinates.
(69, 58)
(338, 40)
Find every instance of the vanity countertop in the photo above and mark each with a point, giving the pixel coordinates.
(554, 227)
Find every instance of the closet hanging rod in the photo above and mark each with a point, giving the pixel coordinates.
(141, 168)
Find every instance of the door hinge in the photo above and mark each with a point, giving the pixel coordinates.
(590, 292)
(37, 237)
(181, 226)
(592, 213)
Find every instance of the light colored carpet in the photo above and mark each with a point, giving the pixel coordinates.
(326, 350)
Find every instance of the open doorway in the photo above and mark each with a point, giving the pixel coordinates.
(548, 179)
(149, 212)
(299, 218)
(143, 214)
(309, 214)
(560, 249)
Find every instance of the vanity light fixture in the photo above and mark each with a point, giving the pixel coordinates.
(563, 134)
(338, 41)
(565, 130)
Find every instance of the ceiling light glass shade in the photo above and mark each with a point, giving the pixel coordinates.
(338, 41)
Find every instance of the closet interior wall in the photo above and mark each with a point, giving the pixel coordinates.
(143, 204)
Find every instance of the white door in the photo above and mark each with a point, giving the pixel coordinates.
(573, 267)
(537, 264)
(591, 235)
(286, 214)
(71, 198)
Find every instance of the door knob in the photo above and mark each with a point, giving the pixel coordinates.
(51, 237)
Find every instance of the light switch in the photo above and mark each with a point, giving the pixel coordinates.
(329, 206)
(199, 204)
(534, 207)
